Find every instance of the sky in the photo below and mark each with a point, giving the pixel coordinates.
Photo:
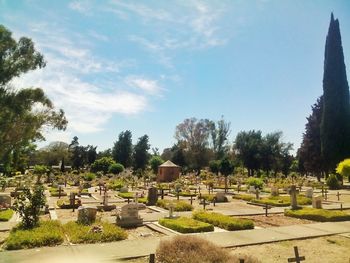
(145, 66)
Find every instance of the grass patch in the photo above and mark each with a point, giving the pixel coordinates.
(179, 205)
(65, 204)
(48, 233)
(186, 225)
(79, 233)
(282, 200)
(243, 197)
(54, 192)
(320, 215)
(223, 221)
(6, 215)
(126, 195)
(186, 194)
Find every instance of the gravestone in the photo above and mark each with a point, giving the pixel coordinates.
(293, 197)
(129, 216)
(220, 197)
(171, 210)
(257, 194)
(309, 193)
(123, 189)
(152, 197)
(87, 214)
(274, 191)
(5, 201)
(252, 189)
(317, 202)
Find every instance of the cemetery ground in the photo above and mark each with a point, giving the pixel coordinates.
(272, 239)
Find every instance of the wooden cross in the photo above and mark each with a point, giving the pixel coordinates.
(325, 192)
(59, 192)
(266, 207)
(338, 195)
(297, 258)
(152, 258)
(191, 199)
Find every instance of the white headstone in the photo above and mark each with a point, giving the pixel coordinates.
(317, 202)
(309, 193)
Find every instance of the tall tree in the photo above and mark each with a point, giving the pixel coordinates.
(309, 153)
(335, 125)
(21, 119)
(122, 150)
(141, 155)
(226, 168)
(78, 153)
(91, 154)
(219, 135)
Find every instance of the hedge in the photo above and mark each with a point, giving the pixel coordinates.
(186, 225)
(179, 206)
(243, 197)
(210, 198)
(320, 215)
(6, 215)
(223, 221)
(282, 200)
(48, 233)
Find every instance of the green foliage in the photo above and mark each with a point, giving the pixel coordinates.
(102, 164)
(47, 233)
(320, 215)
(186, 225)
(116, 184)
(226, 167)
(214, 166)
(256, 182)
(243, 197)
(141, 155)
(343, 168)
(332, 182)
(116, 168)
(335, 125)
(79, 233)
(122, 149)
(282, 200)
(223, 221)
(179, 205)
(126, 195)
(55, 192)
(6, 215)
(155, 161)
(89, 177)
(28, 205)
(65, 203)
(40, 169)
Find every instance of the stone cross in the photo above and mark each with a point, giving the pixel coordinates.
(293, 197)
(297, 258)
(257, 192)
(325, 194)
(105, 196)
(72, 200)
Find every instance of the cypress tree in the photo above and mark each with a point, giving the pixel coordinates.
(335, 128)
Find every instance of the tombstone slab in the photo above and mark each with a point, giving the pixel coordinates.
(129, 216)
(220, 197)
(309, 193)
(87, 214)
(274, 191)
(317, 202)
(152, 197)
(5, 201)
(293, 197)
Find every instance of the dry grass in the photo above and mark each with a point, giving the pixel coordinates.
(191, 249)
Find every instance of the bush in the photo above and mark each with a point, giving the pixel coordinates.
(47, 233)
(126, 195)
(243, 197)
(116, 184)
(210, 198)
(332, 182)
(79, 233)
(256, 182)
(102, 164)
(320, 215)
(283, 200)
(89, 176)
(65, 204)
(179, 205)
(116, 168)
(186, 225)
(54, 192)
(6, 215)
(223, 221)
(184, 249)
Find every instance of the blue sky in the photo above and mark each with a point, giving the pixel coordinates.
(147, 65)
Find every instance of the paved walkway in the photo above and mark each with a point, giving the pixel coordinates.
(112, 252)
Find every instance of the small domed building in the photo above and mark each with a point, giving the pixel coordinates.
(168, 172)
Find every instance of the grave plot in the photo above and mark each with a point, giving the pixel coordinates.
(275, 220)
(142, 232)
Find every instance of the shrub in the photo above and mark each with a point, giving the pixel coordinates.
(179, 205)
(116, 168)
(55, 192)
(6, 215)
(102, 164)
(343, 168)
(332, 182)
(89, 176)
(210, 198)
(282, 200)
(126, 195)
(155, 161)
(184, 249)
(243, 197)
(320, 215)
(116, 184)
(47, 233)
(65, 204)
(256, 182)
(223, 221)
(28, 205)
(186, 225)
(79, 233)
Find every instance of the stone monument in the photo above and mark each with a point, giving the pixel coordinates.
(129, 216)
(5, 201)
(293, 197)
(309, 193)
(152, 197)
(220, 197)
(317, 202)
(87, 214)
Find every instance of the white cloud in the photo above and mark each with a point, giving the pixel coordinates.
(81, 6)
(148, 85)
